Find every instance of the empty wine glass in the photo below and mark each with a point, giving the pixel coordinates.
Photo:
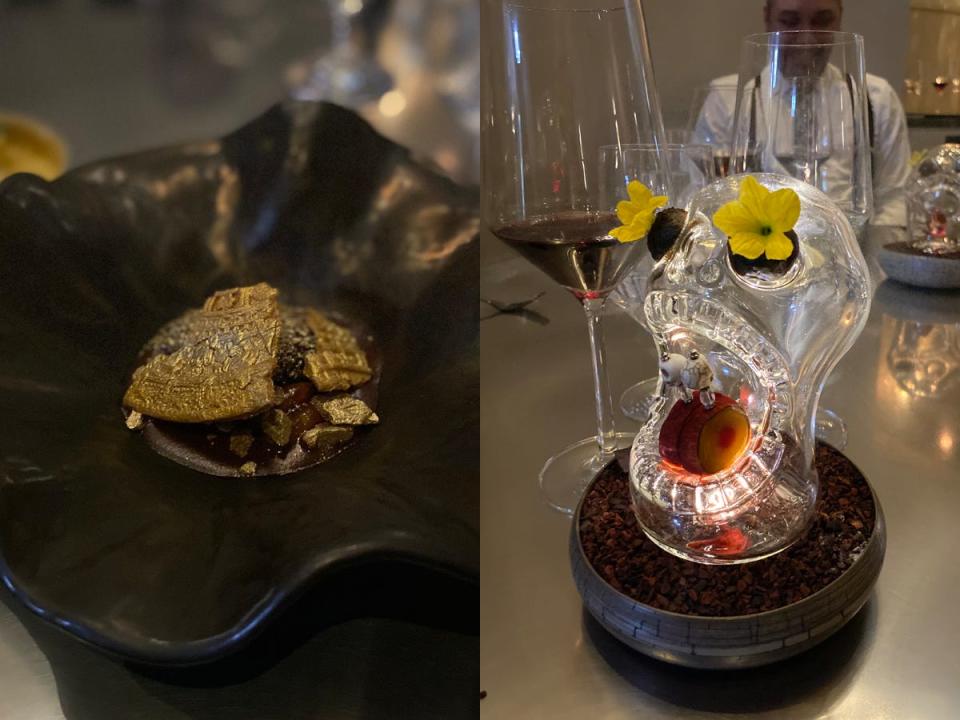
(802, 111)
(576, 80)
(711, 122)
(690, 168)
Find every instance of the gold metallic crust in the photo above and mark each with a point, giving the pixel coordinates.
(330, 335)
(331, 370)
(338, 362)
(345, 410)
(224, 369)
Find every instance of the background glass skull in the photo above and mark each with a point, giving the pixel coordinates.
(771, 339)
(933, 198)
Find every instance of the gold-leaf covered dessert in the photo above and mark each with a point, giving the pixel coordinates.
(225, 367)
(248, 386)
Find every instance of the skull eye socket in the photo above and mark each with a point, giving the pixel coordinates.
(762, 269)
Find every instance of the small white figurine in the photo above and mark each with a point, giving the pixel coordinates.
(697, 375)
(688, 374)
(671, 367)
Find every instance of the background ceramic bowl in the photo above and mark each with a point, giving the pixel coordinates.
(729, 642)
(925, 271)
(158, 563)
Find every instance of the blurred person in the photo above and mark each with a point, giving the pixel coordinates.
(890, 147)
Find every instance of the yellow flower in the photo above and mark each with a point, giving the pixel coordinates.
(756, 223)
(637, 213)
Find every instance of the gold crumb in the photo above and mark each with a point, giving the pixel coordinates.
(134, 420)
(240, 444)
(248, 468)
(326, 436)
(277, 426)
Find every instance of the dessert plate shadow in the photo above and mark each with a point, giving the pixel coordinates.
(163, 565)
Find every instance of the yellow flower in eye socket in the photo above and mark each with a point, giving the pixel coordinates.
(757, 223)
(637, 213)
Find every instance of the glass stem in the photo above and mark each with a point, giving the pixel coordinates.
(606, 434)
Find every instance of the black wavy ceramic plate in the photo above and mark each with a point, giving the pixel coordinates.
(161, 564)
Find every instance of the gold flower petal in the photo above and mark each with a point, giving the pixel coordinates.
(639, 193)
(624, 234)
(626, 211)
(734, 217)
(642, 222)
(779, 246)
(749, 245)
(753, 196)
(782, 208)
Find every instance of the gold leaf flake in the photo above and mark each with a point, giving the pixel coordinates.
(277, 426)
(345, 410)
(332, 370)
(326, 436)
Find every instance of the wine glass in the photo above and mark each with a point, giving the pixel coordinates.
(711, 122)
(575, 80)
(802, 111)
(690, 168)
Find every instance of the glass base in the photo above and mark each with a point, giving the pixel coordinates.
(566, 475)
(636, 400)
(831, 428)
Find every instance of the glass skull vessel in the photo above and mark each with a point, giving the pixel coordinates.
(933, 201)
(769, 338)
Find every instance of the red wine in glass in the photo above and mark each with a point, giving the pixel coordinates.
(721, 165)
(575, 249)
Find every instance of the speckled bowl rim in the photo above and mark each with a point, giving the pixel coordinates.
(926, 263)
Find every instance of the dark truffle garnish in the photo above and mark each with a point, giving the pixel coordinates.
(745, 266)
(666, 228)
(928, 167)
(296, 340)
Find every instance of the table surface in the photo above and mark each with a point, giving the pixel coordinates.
(117, 76)
(543, 656)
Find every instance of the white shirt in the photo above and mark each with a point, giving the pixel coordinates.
(891, 151)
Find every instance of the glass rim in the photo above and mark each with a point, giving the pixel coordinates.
(782, 38)
(675, 147)
(543, 8)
